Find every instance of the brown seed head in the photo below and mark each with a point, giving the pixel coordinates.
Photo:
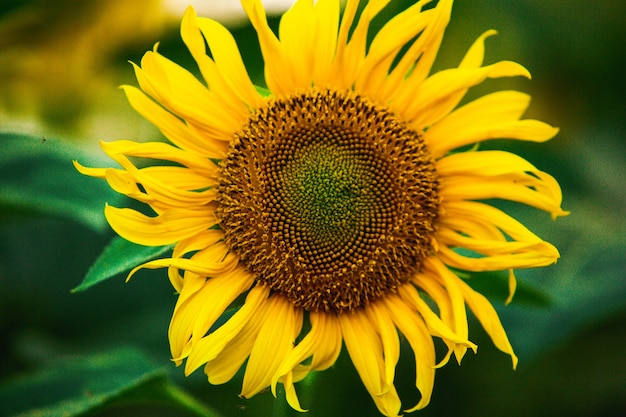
(328, 199)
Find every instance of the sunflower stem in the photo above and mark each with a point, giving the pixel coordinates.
(187, 402)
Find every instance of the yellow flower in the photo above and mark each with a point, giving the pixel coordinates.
(337, 204)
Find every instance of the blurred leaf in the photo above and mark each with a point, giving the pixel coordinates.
(160, 392)
(586, 286)
(37, 174)
(119, 256)
(495, 286)
(76, 385)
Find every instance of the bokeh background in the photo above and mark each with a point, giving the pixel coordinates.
(104, 352)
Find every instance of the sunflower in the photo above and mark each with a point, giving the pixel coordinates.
(336, 201)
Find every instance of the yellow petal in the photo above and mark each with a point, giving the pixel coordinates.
(440, 88)
(350, 57)
(417, 61)
(512, 287)
(418, 336)
(472, 59)
(186, 179)
(435, 326)
(434, 268)
(330, 345)
(538, 189)
(488, 318)
(543, 254)
(161, 151)
(290, 392)
(181, 93)
(475, 213)
(396, 33)
(281, 325)
(430, 42)
(366, 352)
(92, 172)
(197, 242)
(492, 116)
(336, 78)
(220, 90)
(207, 348)
(483, 163)
(167, 228)
(488, 247)
(476, 53)
(323, 343)
(297, 32)
(124, 183)
(364, 347)
(184, 315)
(196, 312)
(278, 67)
(226, 364)
(388, 403)
(379, 316)
(174, 88)
(327, 26)
(463, 217)
(175, 130)
(206, 270)
(165, 192)
(444, 304)
(229, 63)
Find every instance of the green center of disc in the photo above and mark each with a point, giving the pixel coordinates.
(323, 187)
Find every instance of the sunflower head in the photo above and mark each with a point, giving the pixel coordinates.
(328, 199)
(341, 200)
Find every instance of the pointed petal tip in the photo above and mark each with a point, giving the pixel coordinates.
(79, 167)
(560, 213)
(187, 21)
(190, 11)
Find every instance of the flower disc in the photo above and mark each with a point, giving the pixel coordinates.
(328, 199)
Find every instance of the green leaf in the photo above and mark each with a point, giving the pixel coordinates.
(118, 257)
(586, 286)
(74, 386)
(38, 175)
(114, 379)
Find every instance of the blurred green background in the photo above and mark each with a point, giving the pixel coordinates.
(104, 352)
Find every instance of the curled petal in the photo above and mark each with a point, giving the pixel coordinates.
(200, 304)
(435, 325)
(488, 318)
(167, 228)
(207, 348)
(496, 115)
(450, 296)
(445, 84)
(160, 151)
(174, 129)
(322, 343)
(536, 189)
(380, 318)
(228, 62)
(418, 336)
(278, 333)
(366, 351)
